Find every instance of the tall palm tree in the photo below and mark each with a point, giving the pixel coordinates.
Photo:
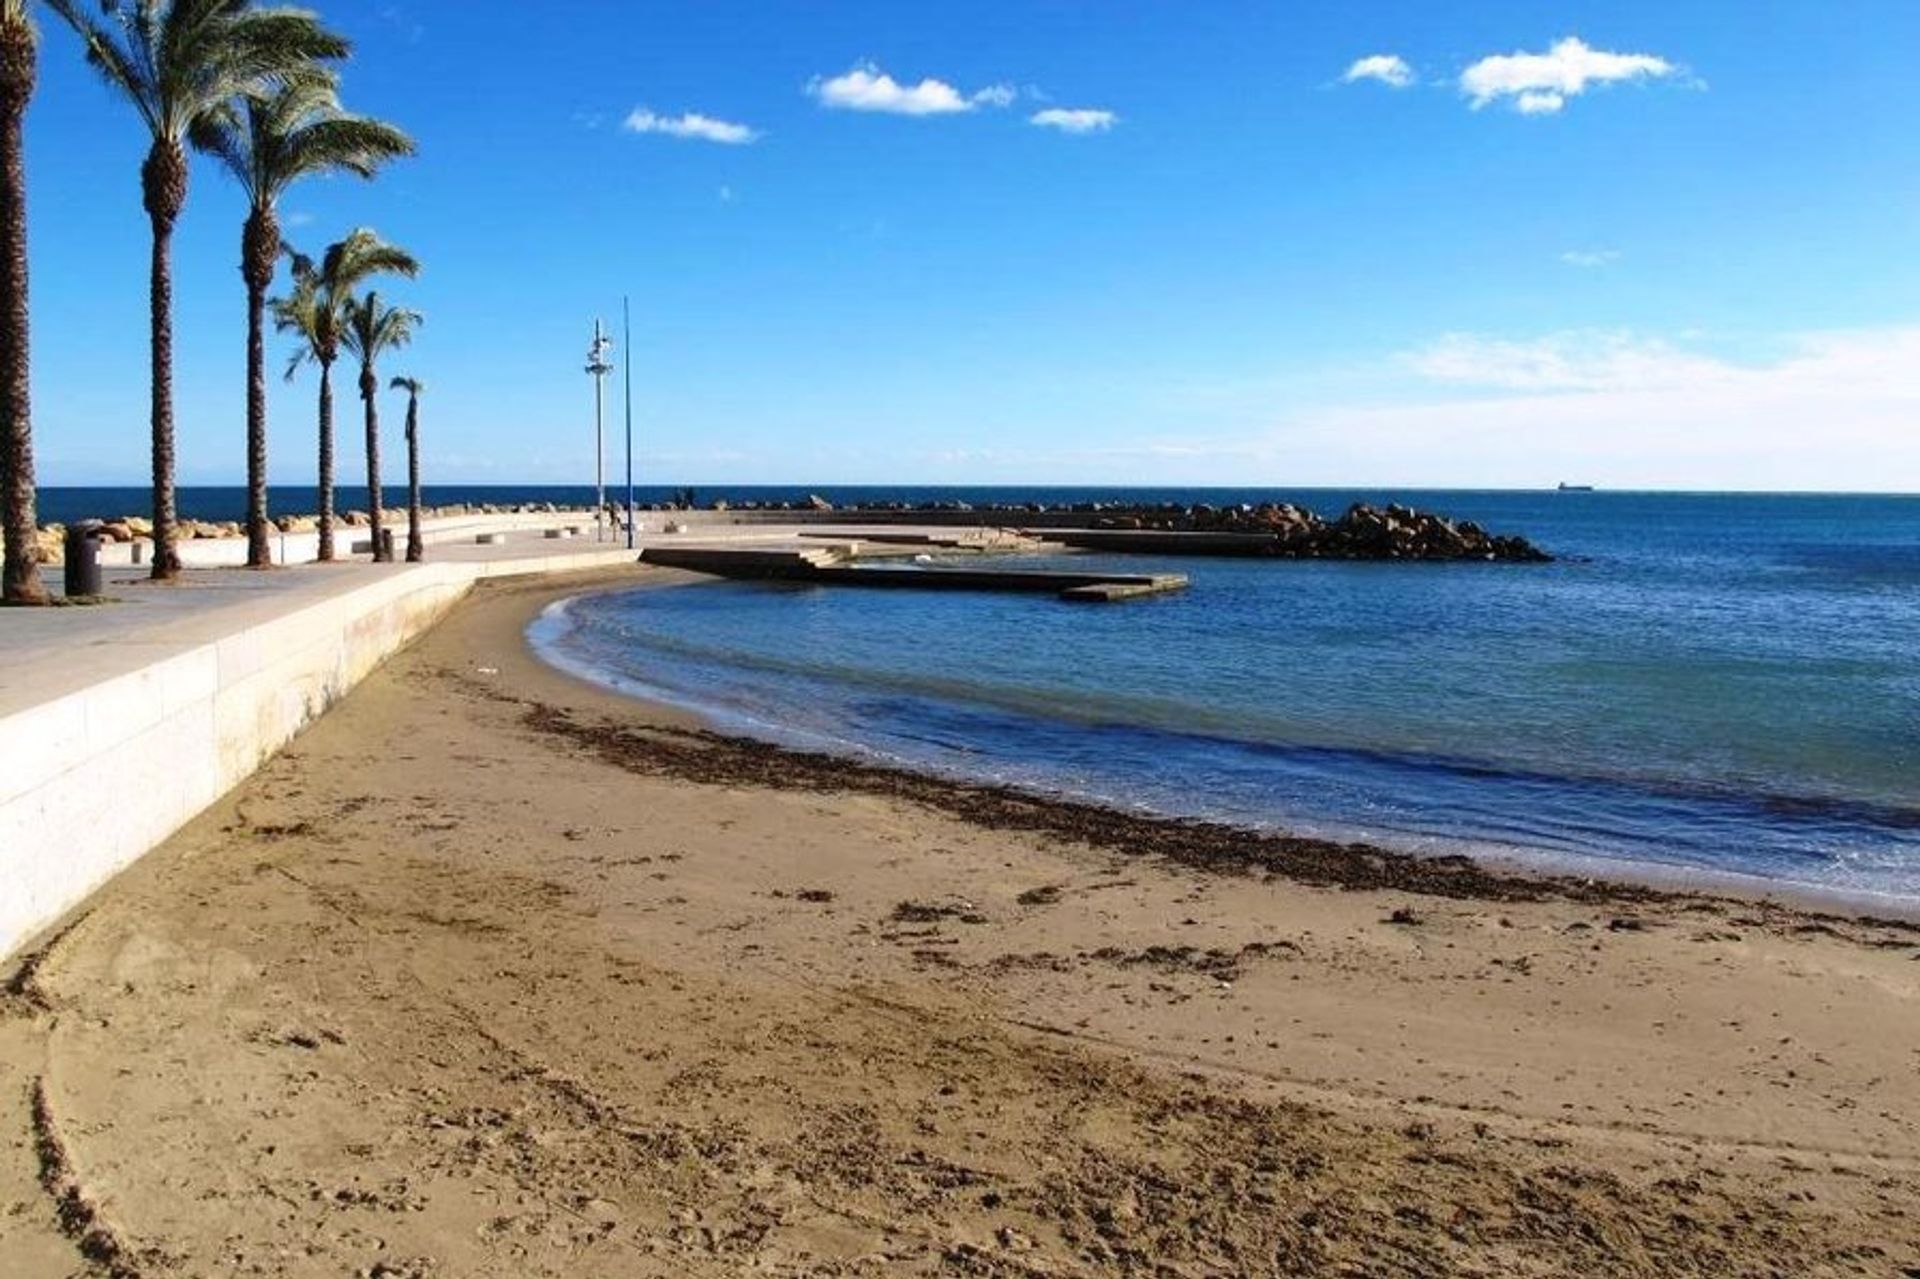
(175, 62)
(267, 143)
(314, 312)
(373, 328)
(416, 544)
(19, 53)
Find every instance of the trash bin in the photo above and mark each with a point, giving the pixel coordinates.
(83, 558)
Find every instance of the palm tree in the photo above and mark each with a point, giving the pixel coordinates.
(19, 50)
(176, 62)
(373, 328)
(267, 143)
(314, 312)
(416, 545)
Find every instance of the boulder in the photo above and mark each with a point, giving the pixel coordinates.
(52, 544)
(1363, 532)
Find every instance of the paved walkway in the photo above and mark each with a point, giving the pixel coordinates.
(50, 652)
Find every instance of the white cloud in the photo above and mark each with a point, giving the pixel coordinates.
(1590, 257)
(1388, 68)
(690, 124)
(1541, 83)
(1576, 360)
(1832, 411)
(868, 88)
(1074, 120)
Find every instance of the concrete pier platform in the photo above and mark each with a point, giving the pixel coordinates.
(1164, 542)
(825, 566)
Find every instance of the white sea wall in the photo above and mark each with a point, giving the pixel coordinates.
(92, 780)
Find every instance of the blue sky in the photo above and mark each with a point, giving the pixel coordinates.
(1679, 253)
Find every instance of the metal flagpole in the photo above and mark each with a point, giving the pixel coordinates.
(626, 336)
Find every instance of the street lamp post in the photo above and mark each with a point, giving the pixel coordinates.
(599, 366)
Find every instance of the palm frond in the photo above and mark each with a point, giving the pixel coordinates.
(17, 13)
(344, 143)
(324, 311)
(114, 50)
(359, 257)
(295, 129)
(396, 328)
(223, 134)
(178, 61)
(373, 328)
(249, 51)
(297, 359)
(302, 313)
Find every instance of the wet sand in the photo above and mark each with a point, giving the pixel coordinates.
(494, 973)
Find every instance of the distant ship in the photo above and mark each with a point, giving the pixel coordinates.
(1575, 488)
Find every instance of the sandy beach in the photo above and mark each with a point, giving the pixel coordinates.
(495, 973)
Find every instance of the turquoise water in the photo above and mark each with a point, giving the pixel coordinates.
(1705, 684)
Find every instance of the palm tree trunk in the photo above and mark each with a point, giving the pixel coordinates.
(259, 249)
(20, 574)
(368, 385)
(416, 544)
(326, 462)
(164, 186)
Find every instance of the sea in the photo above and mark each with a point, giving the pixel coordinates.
(1701, 688)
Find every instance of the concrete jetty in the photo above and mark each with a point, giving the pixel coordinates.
(1165, 542)
(830, 566)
